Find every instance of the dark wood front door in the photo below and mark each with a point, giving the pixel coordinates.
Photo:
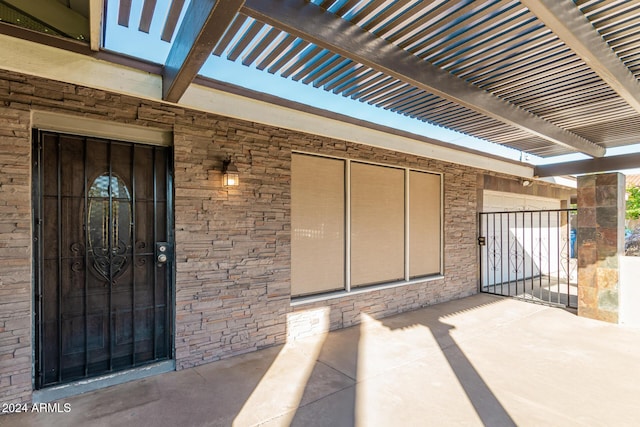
(103, 255)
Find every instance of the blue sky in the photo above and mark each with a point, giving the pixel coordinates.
(132, 42)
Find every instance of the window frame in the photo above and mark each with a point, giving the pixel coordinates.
(407, 280)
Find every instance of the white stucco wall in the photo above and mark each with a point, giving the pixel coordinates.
(629, 297)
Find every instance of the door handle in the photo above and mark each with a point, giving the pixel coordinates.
(162, 258)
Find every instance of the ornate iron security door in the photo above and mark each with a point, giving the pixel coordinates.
(103, 256)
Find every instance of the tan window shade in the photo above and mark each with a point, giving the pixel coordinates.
(424, 224)
(377, 224)
(317, 224)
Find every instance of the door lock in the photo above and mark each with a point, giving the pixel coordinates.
(163, 252)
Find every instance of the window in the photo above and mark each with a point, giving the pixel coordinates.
(356, 224)
(424, 223)
(377, 224)
(317, 224)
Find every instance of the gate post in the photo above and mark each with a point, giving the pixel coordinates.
(600, 241)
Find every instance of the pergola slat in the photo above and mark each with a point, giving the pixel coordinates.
(571, 26)
(312, 23)
(172, 20)
(148, 9)
(124, 12)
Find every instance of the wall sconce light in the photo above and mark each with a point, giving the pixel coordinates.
(230, 175)
(526, 182)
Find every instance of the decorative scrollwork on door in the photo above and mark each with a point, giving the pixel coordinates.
(109, 226)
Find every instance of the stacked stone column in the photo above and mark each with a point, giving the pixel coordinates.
(600, 241)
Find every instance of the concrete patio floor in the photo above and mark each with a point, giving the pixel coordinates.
(481, 360)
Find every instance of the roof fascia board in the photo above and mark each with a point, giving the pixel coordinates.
(53, 63)
(579, 167)
(77, 68)
(231, 105)
(205, 22)
(570, 25)
(314, 24)
(78, 47)
(298, 106)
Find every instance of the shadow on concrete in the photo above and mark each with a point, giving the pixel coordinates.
(207, 395)
(541, 289)
(335, 379)
(346, 383)
(487, 406)
(329, 398)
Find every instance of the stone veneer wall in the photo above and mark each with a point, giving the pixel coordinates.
(232, 247)
(15, 254)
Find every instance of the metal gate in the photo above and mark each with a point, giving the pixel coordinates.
(530, 255)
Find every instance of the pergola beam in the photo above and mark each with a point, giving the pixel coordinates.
(570, 25)
(96, 9)
(205, 22)
(312, 23)
(603, 164)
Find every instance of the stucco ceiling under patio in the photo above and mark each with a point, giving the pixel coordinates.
(546, 77)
